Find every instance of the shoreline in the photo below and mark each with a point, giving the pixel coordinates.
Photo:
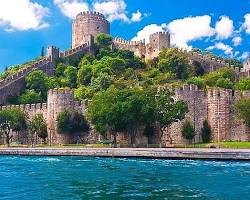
(155, 153)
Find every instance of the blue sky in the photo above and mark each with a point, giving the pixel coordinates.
(221, 26)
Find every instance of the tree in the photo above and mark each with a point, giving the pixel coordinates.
(83, 93)
(198, 69)
(71, 123)
(224, 83)
(30, 96)
(167, 110)
(139, 109)
(42, 52)
(188, 131)
(197, 81)
(206, 132)
(71, 76)
(225, 73)
(12, 119)
(106, 112)
(12, 100)
(59, 70)
(84, 75)
(63, 122)
(38, 81)
(171, 60)
(243, 84)
(38, 126)
(102, 82)
(103, 40)
(243, 110)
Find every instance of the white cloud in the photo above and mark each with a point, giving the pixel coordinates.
(136, 17)
(189, 29)
(237, 41)
(236, 53)
(148, 30)
(246, 24)
(182, 31)
(244, 56)
(223, 47)
(112, 9)
(71, 8)
(22, 15)
(224, 28)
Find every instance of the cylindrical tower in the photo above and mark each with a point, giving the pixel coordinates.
(88, 23)
(58, 100)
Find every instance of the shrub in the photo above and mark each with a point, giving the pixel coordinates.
(243, 84)
(188, 131)
(206, 132)
(71, 122)
(197, 81)
(224, 83)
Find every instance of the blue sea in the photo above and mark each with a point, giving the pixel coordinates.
(68, 178)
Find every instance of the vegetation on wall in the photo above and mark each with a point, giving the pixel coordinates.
(243, 110)
(71, 123)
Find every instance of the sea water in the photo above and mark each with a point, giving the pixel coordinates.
(68, 178)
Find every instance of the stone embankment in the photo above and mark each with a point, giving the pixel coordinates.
(171, 153)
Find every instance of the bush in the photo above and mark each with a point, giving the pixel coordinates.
(71, 122)
(188, 131)
(243, 84)
(206, 132)
(243, 110)
(225, 73)
(103, 40)
(224, 83)
(197, 81)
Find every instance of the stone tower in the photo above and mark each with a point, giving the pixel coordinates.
(246, 65)
(86, 24)
(157, 42)
(58, 100)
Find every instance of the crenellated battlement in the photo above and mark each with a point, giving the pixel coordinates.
(160, 33)
(73, 51)
(23, 72)
(205, 58)
(122, 41)
(27, 107)
(60, 91)
(90, 13)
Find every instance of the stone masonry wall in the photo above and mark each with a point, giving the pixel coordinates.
(197, 106)
(86, 24)
(216, 105)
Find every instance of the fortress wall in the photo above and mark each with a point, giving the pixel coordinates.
(13, 84)
(209, 64)
(202, 105)
(197, 106)
(223, 117)
(84, 48)
(220, 103)
(239, 130)
(30, 109)
(139, 48)
(58, 101)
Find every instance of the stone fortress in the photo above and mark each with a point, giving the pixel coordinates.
(215, 105)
